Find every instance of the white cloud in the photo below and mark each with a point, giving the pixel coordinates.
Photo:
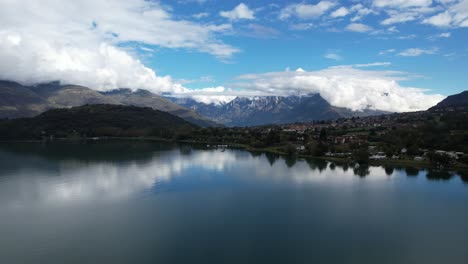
(447, 1)
(455, 16)
(363, 65)
(340, 12)
(332, 56)
(440, 20)
(202, 79)
(361, 12)
(410, 36)
(414, 52)
(306, 11)
(441, 35)
(388, 51)
(200, 2)
(459, 13)
(201, 15)
(358, 27)
(348, 87)
(103, 67)
(402, 3)
(210, 95)
(79, 42)
(301, 26)
(241, 11)
(399, 17)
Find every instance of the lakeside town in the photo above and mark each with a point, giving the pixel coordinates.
(427, 138)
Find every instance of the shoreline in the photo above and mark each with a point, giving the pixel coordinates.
(272, 150)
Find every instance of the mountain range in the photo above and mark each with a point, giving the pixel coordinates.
(116, 120)
(243, 111)
(18, 100)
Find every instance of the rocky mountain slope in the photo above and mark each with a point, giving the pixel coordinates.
(244, 111)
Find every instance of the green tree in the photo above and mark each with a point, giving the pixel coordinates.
(323, 135)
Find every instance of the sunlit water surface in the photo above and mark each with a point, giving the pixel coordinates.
(149, 202)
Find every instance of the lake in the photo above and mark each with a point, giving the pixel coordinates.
(153, 202)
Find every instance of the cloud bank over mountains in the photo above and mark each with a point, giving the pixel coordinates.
(81, 42)
(346, 86)
(86, 42)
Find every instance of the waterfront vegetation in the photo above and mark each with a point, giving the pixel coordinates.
(427, 139)
(437, 138)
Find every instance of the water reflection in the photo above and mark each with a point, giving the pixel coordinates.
(389, 170)
(411, 171)
(317, 164)
(272, 158)
(361, 170)
(60, 173)
(290, 161)
(148, 202)
(463, 176)
(439, 175)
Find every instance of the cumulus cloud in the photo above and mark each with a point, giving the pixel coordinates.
(345, 86)
(440, 20)
(242, 11)
(455, 16)
(306, 11)
(361, 11)
(340, 12)
(399, 17)
(210, 95)
(440, 13)
(101, 68)
(81, 42)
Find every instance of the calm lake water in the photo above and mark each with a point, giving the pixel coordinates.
(150, 202)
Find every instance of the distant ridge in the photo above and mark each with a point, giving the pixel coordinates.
(456, 100)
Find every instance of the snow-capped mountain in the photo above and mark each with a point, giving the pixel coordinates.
(251, 111)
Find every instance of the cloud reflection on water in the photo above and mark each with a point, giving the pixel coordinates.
(66, 180)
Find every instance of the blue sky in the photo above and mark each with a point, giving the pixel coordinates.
(275, 44)
(399, 55)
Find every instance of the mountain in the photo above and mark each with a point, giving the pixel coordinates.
(94, 121)
(147, 99)
(17, 100)
(244, 111)
(456, 100)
